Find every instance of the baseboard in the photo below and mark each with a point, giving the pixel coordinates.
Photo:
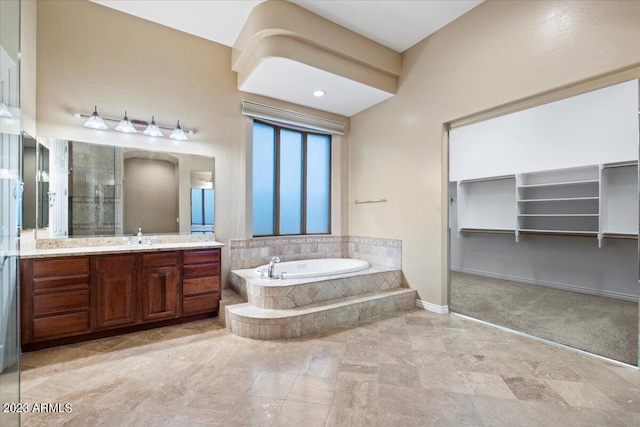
(554, 285)
(439, 309)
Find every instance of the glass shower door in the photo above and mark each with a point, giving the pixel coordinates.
(10, 195)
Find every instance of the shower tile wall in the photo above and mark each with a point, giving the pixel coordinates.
(95, 190)
(258, 251)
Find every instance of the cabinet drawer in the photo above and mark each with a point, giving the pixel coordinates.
(60, 302)
(60, 266)
(64, 324)
(62, 283)
(110, 263)
(199, 257)
(200, 304)
(200, 270)
(200, 285)
(160, 259)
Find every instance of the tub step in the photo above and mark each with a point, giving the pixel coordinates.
(229, 298)
(249, 321)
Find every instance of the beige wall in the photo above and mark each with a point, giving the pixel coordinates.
(150, 195)
(90, 55)
(498, 53)
(28, 66)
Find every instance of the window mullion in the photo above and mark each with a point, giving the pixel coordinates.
(304, 184)
(276, 211)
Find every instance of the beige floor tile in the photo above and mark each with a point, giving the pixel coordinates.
(272, 384)
(356, 394)
(487, 385)
(399, 375)
(301, 414)
(349, 417)
(321, 366)
(625, 397)
(498, 412)
(312, 390)
(417, 369)
(533, 389)
(581, 394)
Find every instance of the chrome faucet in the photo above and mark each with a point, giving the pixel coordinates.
(272, 265)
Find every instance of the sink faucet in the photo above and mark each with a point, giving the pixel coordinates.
(140, 235)
(272, 265)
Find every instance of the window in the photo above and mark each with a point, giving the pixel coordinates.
(202, 207)
(291, 181)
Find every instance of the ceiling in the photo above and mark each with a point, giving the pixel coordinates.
(396, 24)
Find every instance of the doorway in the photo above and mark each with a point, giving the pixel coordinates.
(544, 221)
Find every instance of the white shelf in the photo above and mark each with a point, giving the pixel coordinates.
(576, 215)
(580, 201)
(488, 230)
(555, 184)
(576, 232)
(559, 199)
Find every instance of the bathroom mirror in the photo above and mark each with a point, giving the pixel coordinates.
(35, 178)
(114, 191)
(29, 178)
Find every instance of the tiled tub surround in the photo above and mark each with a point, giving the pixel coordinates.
(291, 293)
(258, 251)
(249, 321)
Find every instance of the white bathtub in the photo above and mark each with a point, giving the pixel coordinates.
(314, 268)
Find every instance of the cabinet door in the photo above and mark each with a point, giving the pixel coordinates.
(160, 293)
(116, 295)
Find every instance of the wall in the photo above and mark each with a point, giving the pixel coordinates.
(498, 53)
(90, 55)
(150, 194)
(590, 129)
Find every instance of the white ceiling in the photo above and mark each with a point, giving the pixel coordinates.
(397, 24)
(289, 80)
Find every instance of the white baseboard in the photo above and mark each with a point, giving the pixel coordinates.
(554, 285)
(439, 309)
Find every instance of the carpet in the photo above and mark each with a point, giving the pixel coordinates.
(599, 325)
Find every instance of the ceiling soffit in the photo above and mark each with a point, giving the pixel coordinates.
(277, 29)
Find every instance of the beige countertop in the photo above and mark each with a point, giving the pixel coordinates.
(124, 248)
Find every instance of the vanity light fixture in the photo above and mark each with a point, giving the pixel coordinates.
(319, 93)
(153, 129)
(4, 111)
(95, 121)
(178, 133)
(125, 125)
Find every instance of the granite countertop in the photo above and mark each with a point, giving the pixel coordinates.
(115, 249)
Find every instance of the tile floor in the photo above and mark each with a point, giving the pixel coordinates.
(411, 369)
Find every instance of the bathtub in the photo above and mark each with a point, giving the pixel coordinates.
(313, 268)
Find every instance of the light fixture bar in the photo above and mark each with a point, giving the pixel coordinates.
(141, 124)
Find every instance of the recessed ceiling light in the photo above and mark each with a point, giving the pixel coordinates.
(318, 93)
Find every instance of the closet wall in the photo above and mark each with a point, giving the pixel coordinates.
(549, 195)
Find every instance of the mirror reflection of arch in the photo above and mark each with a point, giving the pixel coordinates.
(116, 190)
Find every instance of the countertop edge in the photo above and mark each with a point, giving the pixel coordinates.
(106, 250)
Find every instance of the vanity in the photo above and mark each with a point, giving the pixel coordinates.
(97, 292)
(86, 274)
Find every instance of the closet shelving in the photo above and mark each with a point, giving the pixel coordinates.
(598, 201)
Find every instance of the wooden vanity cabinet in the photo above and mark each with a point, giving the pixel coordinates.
(201, 281)
(160, 277)
(58, 302)
(71, 299)
(116, 291)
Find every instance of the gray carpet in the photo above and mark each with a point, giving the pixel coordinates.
(599, 325)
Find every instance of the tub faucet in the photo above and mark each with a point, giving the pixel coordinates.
(272, 265)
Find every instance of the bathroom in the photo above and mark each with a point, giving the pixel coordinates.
(393, 154)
